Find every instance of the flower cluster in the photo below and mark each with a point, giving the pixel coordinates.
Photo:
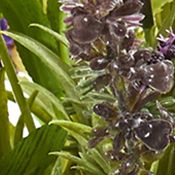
(101, 32)
(137, 138)
(97, 26)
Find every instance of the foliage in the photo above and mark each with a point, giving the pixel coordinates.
(61, 94)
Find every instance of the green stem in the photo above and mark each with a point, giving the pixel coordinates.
(10, 70)
(5, 146)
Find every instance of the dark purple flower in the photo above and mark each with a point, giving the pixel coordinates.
(105, 110)
(154, 134)
(143, 55)
(159, 76)
(92, 22)
(99, 63)
(128, 8)
(86, 29)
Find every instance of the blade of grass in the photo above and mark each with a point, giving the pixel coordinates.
(56, 35)
(25, 111)
(20, 125)
(30, 156)
(4, 121)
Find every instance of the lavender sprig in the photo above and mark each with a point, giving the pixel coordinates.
(102, 33)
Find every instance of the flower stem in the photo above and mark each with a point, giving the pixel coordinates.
(10, 70)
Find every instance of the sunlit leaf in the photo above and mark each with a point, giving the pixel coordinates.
(168, 20)
(53, 64)
(73, 126)
(45, 99)
(89, 166)
(158, 4)
(4, 121)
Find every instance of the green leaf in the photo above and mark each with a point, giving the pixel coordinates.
(9, 68)
(37, 109)
(76, 130)
(56, 169)
(166, 163)
(56, 18)
(30, 156)
(48, 58)
(20, 124)
(168, 20)
(56, 35)
(45, 100)
(91, 164)
(100, 160)
(158, 4)
(83, 162)
(20, 14)
(4, 121)
(73, 126)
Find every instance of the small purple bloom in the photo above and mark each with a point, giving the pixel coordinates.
(167, 45)
(4, 26)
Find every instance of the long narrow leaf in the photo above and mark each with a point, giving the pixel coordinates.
(30, 156)
(45, 99)
(82, 162)
(166, 163)
(4, 121)
(51, 32)
(56, 18)
(168, 20)
(48, 58)
(19, 96)
(73, 126)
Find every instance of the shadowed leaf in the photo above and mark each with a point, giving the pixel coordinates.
(30, 156)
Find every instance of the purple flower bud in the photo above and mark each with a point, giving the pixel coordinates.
(167, 45)
(4, 26)
(159, 76)
(118, 142)
(133, 19)
(128, 8)
(156, 56)
(128, 41)
(143, 54)
(86, 29)
(102, 81)
(99, 63)
(105, 110)
(117, 29)
(170, 53)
